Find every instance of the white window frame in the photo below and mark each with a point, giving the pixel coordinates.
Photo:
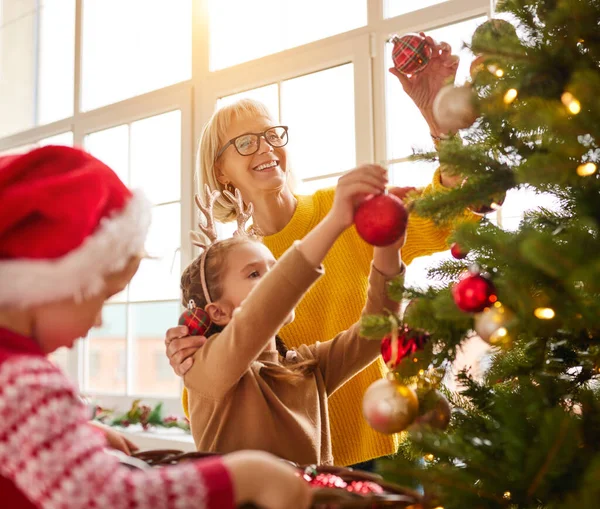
(197, 97)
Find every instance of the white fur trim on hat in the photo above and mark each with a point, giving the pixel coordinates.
(80, 273)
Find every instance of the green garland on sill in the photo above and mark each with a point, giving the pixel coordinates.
(140, 414)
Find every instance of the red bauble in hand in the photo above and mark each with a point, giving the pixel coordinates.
(473, 293)
(197, 321)
(458, 252)
(408, 342)
(411, 53)
(381, 220)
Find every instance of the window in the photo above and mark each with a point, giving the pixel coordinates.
(37, 50)
(241, 30)
(146, 154)
(133, 46)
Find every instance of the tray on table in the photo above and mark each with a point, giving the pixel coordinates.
(324, 498)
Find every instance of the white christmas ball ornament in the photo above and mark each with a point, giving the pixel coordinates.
(389, 407)
(454, 108)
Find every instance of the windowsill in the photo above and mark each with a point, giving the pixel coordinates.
(158, 438)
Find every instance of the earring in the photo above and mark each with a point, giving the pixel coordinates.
(229, 187)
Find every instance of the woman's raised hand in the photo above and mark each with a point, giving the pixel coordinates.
(181, 348)
(423, 86)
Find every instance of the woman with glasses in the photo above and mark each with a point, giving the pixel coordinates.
(243, 148)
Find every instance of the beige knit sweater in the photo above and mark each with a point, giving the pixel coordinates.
(236, 403)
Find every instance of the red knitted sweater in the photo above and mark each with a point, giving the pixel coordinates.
(50, 457)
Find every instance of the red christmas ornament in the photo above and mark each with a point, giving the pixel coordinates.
(327, 481)
(473, 293)
(457, 252)
(411, 53)
(408, 341)
(381, 220)
(364, 487)
(196, 319)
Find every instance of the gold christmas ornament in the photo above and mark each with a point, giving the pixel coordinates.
(454, 108)
(434, 410)
(491, 324)
(389, 407)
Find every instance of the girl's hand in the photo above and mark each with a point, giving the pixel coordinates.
(266, 481)
(352, 189)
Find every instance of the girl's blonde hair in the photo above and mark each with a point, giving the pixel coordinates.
(215, 266)
(211, 141)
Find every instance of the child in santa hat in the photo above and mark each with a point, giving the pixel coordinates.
(71, 236)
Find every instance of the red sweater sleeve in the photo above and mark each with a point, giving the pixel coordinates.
(51, 457)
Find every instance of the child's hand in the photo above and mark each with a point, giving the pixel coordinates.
(115, 439)
(352, 189)
(266, 481)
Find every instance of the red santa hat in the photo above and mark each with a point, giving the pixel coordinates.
(66, 221)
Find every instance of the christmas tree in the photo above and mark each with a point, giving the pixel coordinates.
(526, 434)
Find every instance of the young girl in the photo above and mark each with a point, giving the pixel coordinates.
(71, 236)
(246, 389)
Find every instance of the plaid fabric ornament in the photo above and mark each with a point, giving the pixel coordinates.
(411, 53)
(196, 319)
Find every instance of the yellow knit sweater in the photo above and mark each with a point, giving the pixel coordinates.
(335, 302)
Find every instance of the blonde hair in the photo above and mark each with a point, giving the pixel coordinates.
(211, 141)
(215, 266)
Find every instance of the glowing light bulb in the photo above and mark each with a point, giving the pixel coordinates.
(429, 457)
(499, 73)
(572, 104)
(510, 95)
(587, 169)
(506, 495)
(544, 313)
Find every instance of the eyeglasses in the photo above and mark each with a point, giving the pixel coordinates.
(249, 143)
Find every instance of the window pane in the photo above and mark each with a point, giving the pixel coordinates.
(322, 134)
(156, 157)
(241, 30)
(59, 139)
(268, 95)
(152, 373)
(56, 60)
(131, 47)
(111, 146)
(406, 127)
(17, 65)
(412, 173)
(158, 278)
(37, 49)
(398, 7)
(106, 365)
